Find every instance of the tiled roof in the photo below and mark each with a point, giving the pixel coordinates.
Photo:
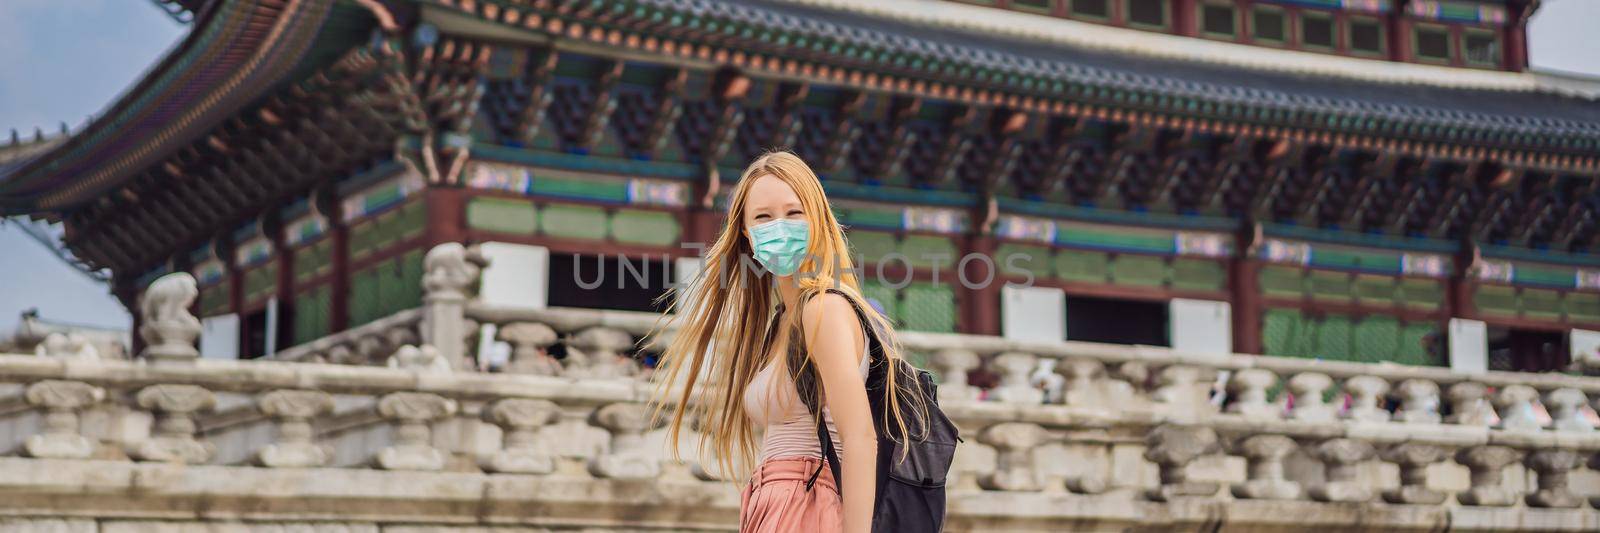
(1455, 114)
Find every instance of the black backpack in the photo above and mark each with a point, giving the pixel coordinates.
(910, 490)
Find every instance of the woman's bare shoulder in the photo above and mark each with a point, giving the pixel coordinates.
(827, 304)
(830, 314)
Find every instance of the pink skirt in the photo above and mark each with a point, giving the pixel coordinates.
(776, 500)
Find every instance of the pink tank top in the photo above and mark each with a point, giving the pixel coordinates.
(773, 403)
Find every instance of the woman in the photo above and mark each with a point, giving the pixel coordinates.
(766, 332)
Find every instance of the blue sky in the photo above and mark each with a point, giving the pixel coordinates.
(61, 61)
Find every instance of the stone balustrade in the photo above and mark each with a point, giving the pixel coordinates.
(560, 437)
(1138, 437)
(370, 343)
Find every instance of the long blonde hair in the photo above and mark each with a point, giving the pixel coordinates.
(732, 302)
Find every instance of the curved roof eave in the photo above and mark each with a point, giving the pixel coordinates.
(235, 53)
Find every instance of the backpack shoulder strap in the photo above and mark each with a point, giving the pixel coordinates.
(830, 457)
(874, 352)
(874, 348)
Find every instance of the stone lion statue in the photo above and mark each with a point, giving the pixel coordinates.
(168, 327)
(451, 267)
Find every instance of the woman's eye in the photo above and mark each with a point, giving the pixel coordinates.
(795, 212)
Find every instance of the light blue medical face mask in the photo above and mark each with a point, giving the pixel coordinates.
(780, 245)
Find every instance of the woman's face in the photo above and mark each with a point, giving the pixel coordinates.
(770, 199)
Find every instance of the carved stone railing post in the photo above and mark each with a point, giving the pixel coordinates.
(1079, 386)
(1594, 464)
(1013, 443)
(412, 412)
(530, 344)
(1414, 460)
(168, 329)
(1172, 448)
(1264, 455)
(1552, 467)
(1249, 390)
(1123, 384)
(372, 348)
(1566, 410)
(627, 458)
(1487, 464)
(1015, 386)
(342, 355)
(1184, 390)
(67, 346)
(1469, 405)
(1308, 389)
(294, 410)
(952, 365)
(1365, 394)
(1339, 459)
(172, 438)
(601, 352)
(61, 400)
(420, 358)
(395, 337)
(1135, 373)
(1419, 401)
(451, 269)
(520, 419)
(380, 345)
(1516, 408)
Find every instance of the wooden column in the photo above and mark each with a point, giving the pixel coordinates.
(447, 218)
(1516, 49)
(1399, 33)
(1185, 17)
(1460, 286)
(1244, 291)
(1515, 36)
(285, 295)
(979, 306)
(339, 286)
(703, 222)
(704, 226)
(235, 286)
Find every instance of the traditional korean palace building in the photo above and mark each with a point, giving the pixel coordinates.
(1364, 180)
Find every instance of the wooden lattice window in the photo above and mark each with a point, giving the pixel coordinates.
(1481, 48)
(1150, 14)
(1366, 36)
(385, 288)
(1371, 338)
(1218, 20)
(1269, 25)
(1432, 43)
(1316, 31)
(1032, 5)
(312, 315)
(1090, 9)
